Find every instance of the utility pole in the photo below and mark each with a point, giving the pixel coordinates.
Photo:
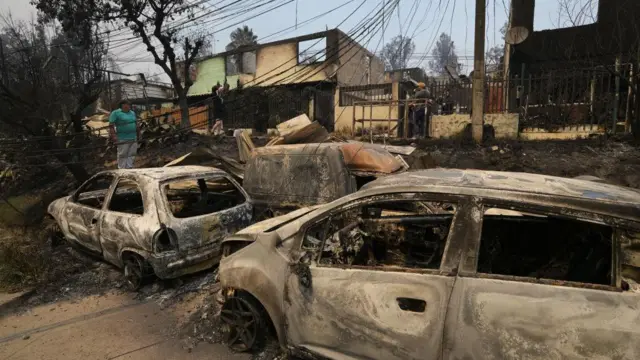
(477, 116)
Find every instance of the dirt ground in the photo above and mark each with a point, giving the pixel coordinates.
(87, 314)
(80, 297)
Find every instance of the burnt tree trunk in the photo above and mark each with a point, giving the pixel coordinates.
(184, 112)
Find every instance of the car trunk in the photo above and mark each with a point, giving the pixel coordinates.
(204, 210)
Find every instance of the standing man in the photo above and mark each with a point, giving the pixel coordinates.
(123, 130)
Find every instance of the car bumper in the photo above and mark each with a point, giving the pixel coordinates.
(172, 264)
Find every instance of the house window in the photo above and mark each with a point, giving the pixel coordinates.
(568, 14)
(312, 51)
(241, 63)
(537, 246)
(202, 196)
(127, 198)
(388, 234)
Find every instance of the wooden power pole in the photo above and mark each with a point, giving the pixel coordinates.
(477, 113)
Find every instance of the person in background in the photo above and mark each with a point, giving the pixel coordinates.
(420, 110)
(211, 113)
(124, 131)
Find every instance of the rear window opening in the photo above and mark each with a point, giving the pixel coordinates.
(536, 246)
(127, 198)
(202, 196)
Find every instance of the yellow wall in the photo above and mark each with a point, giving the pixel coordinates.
(344, 114)
(505, 126)
(271, 61)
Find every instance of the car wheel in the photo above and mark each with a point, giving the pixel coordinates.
(243, 324)
(134, 272)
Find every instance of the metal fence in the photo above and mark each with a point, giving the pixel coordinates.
(349, 95)
(597, 96)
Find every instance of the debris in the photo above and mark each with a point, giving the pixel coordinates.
(402, 150)
(495, 148)
(421, 160)
(293, 125)
(207, 157)
(366, 158)
(245, 146)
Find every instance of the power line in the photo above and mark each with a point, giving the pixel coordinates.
(353, 44)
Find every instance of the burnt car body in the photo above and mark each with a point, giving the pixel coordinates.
(444, 264)
(286, 177)
(162, 221)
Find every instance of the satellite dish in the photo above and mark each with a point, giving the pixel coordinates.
(516, 35)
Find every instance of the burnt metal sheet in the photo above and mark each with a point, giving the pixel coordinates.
(297, 175)
(359, 157)
(359, 313)
(498, 319)
(513, 181)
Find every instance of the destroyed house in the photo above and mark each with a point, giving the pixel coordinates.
(616, 33)
(142, 94)
(285, 78)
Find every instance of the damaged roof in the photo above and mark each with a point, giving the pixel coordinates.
(512, 182)
(166, 173)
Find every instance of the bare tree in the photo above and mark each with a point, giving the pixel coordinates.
(396, 53)
(444, 55)
(48, 81)
(577, 12)
(159, 24)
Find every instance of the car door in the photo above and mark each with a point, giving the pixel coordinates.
(126, 223)
(203, 210)
(541, 285)
(83, 211)
(374, 279)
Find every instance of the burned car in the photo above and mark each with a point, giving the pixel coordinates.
(162, 221)
(444, 264)
(283, 178)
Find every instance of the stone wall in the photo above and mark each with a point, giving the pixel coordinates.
(505, 126)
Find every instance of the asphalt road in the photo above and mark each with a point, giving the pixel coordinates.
(99, 327)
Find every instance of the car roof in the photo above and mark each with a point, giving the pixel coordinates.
(166, 173)
(475, 181)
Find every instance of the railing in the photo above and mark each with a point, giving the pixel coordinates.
(392, 113)
(349, 95)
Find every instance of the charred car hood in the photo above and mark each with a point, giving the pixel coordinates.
(252, 232)
(56, 206)
(271, 224)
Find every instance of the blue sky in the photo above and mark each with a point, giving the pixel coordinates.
(432, 17)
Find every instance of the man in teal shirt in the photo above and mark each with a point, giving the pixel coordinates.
(123, 130)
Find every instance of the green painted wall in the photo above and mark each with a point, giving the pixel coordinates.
(210, 72)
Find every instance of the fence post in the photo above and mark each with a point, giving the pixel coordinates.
(405, 120)
(389, 120)
(592, 96)
(353, 123)
(627, 116)
(371, 122)
(616, 98)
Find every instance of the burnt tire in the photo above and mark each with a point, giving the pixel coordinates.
(134, 271)
(245, 324)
